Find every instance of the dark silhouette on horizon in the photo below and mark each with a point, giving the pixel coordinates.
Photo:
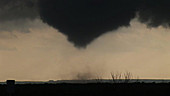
(87, 89)
(10, 87)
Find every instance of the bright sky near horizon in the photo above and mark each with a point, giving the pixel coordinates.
(45, 54)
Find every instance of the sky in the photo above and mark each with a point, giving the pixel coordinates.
(33, 48)
(45, 54)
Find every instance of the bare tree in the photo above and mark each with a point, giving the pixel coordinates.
(121, 77)
(116, 77)
(127, 77)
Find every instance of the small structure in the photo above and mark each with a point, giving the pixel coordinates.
(10, 87)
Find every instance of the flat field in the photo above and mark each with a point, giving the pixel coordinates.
(90, 89)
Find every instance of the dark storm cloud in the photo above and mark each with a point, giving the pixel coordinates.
(15, 14)
(84, 20)
(18, 9)
(155, 13)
